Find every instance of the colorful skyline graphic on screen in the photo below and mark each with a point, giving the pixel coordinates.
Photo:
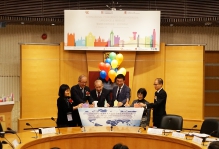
(112, 30)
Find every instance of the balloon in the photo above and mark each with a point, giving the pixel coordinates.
(107, 78)
(114, 63)
(112, 75)
(108, 60)
(107, 67)
(101, 65)
(119, 58)
(103, 74)
(112, 55)
(122, 71)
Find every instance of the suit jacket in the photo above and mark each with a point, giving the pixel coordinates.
(124, 94)
(77, 95)
(64, 107)
(105, 95)
(159, 107)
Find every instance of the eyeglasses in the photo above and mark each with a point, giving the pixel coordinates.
(156, 84)
(83, 82)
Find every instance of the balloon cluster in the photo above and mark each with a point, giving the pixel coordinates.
(109, 68)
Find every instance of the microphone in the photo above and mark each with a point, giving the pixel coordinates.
(111, 128)
(14, 132)
(56, 124)
(33, 130)
(164, 132)
(188, 134)
(2, 135)
(213, 133)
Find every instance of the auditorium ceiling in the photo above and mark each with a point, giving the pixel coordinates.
(173, 12)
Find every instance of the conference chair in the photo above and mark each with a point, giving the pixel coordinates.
(1, 129)
(210, 127)
(173, 122)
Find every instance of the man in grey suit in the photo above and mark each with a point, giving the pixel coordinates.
(121, 92)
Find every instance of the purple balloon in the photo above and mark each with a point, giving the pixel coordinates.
(103, 74)
(108, 60)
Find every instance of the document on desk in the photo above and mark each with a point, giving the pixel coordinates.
(155, 131)
(212, 139)
(201, 135)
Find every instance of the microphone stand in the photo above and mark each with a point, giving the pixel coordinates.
(7, 142)
(33, 130)
(14, 132)
(56, 125)
(190, 131)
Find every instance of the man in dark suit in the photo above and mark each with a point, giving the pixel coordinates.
(80, 93)
(159, 105)
(121, 92)
(100, 94)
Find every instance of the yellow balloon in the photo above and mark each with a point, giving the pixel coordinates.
(122, 71)
(114, 64)
(119, 72)
(112, 75)
(119, 58)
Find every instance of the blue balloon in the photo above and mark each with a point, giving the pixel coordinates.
(116, 69)
(108, 60)
(103, 74)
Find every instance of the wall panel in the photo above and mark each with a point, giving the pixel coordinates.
(184, 75)
(40, 80)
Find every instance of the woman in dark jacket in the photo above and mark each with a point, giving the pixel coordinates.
(65, 107)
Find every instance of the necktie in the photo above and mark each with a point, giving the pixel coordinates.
(98, 95)
(82, 92)
(118, 93)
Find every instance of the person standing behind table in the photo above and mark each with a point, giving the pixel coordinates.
(65, 107)
(100, 94)
(121, 92)
(141, 103)
(159, 105)
(80, 93)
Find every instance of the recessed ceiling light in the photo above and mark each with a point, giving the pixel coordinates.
(52, 24)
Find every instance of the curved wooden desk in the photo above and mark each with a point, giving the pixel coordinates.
(73, 138)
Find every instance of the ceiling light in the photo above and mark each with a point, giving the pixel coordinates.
(22, 23)
(52, 24)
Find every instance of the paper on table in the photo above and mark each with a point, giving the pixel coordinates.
(202, 135)
(212, 139)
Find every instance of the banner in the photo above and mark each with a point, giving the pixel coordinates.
(111, 116)
(112, 30)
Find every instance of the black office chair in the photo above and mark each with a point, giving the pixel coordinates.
(1, 129)
(210, 127)
(173, 122)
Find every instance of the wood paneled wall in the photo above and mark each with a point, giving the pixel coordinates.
(45, 68)
(211, 84)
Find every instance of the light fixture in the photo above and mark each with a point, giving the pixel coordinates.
(22, 23)
(52, 24)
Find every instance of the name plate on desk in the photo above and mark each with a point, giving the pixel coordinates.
(197, 140)
(155, 131)
(179, 135)
(47, 130)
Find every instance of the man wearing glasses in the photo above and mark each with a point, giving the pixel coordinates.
(159, 105)
(80, 93)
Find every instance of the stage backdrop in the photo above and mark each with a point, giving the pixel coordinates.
(112, 30)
